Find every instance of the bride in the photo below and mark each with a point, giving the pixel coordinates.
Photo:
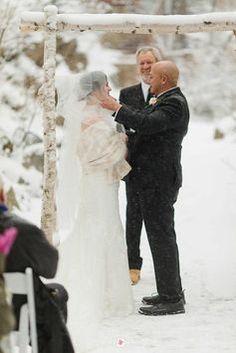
(93, 258)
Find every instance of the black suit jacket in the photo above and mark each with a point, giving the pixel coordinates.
(156, 152)
(133, 96)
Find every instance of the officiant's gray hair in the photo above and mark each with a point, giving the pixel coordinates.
(90, 82)
(156, 52)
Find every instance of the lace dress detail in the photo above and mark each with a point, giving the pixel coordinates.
(94, 265)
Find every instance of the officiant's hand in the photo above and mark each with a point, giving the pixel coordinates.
(110, 103)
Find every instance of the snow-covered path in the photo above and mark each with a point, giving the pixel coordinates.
(206, 231)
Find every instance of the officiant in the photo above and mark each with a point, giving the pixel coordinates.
(137, 97)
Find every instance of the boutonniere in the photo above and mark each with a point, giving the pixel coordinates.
(153, 100)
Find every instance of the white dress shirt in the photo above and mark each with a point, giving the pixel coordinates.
(145, 87)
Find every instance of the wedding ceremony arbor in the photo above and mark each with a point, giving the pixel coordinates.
(51, 22)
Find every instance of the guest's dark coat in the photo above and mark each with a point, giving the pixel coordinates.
(32, 249)
(156, 149)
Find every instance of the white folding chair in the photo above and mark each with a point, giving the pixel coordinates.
(22, 283)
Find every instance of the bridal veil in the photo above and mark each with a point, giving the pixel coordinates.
(73, 94)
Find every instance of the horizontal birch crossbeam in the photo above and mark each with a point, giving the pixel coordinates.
(132, 23)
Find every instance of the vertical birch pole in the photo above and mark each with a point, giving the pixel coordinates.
(48, 216)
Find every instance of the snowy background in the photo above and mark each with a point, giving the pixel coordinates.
(205, 211)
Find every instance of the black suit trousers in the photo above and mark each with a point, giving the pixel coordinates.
(134, 223)
(156, 205)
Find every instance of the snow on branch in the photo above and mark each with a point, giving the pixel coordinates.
(133, 23)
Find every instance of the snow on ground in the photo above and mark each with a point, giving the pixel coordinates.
(206, 231)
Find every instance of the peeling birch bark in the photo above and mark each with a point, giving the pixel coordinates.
(48, 215)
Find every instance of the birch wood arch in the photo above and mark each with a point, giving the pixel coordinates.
(50, 22)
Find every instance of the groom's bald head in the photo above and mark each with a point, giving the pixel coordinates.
(164, 75)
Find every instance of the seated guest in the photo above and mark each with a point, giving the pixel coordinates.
(32, 249)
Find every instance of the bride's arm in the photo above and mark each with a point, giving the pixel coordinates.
(89, 121)
(123, 136)
(112, 150)
(101, 146)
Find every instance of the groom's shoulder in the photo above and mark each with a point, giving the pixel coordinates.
(173, 95)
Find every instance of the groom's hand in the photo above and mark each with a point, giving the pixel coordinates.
(110, 103)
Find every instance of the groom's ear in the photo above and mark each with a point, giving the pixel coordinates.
(164, 78)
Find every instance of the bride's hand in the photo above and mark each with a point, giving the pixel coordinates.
(110, 103)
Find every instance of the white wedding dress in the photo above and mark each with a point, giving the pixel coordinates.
(93, 259)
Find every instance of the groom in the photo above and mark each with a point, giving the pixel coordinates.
(156, 177)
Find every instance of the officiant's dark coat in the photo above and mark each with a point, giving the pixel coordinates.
(133, 97)
(156, 176)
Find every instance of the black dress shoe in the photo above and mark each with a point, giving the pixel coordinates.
(163, 309)
(155, 299)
